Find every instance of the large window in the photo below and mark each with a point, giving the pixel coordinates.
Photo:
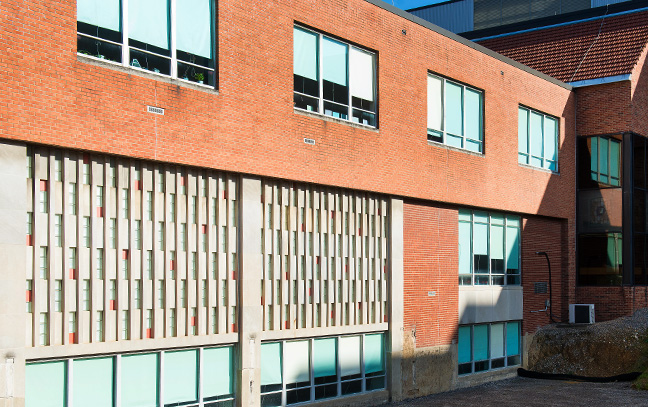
(537, 139)
(605, 164)
(488, 346)
(600, 259)
(176, 378)
(455, 114)
(320, 368)
(489, 248)
(162, 36)
(334, 78)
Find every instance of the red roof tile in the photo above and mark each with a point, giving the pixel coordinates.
(574, 53)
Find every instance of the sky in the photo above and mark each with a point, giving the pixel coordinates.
(407, 4)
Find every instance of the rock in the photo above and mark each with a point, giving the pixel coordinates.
(598, 350)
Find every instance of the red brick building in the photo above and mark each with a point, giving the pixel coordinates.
(192, 240)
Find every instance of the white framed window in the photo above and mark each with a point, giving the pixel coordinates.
(193, 209)
(113, 233)
(43, 263)
(125, 203)
(43, 339)
(183, 293)
(86, 231)
(489, 248)
(149, 205)
(85, 299)
(86, 172)
(333, 77)
(58, 230)
(183, 237)
(30, 223)
(138, 294)
(125, 331)
(58, 295)
(172, 322)
(194, 266)
(488, 346)
(30, 296)
(100, 264)
(308, 370)
(149, 264)
(99, 328)
(113, 173)
(72, 326)
(161, 235)
(537, 139)
(455, 114)
(172, 207)
(43, 201)
(138, 234)
(175, 39)
(58, 169)
(161, 294)
(72, 198)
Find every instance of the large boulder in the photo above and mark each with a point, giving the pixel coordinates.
(598, 350)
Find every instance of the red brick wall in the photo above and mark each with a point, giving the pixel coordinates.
(544, 235)
(640, 96)
(604, 109)
(52, 96)
(613, 302)
(431, 263)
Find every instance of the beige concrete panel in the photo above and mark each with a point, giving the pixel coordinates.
(478, 304)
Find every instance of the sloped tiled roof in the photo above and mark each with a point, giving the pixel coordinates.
(562, 52)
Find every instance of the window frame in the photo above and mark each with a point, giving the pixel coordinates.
(363, 377)
(126, 46)
(509, 360)
(528, 153)
(508, 221)
(320, 82)
(595, 173)
(444, 132)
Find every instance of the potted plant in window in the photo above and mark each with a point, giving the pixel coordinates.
(199, 77)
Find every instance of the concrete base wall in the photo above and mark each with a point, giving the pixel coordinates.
(427, 370)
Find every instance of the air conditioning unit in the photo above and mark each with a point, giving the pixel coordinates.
(581, 313)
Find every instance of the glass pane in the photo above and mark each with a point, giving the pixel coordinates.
(603, 156)
(615, 159)
(550, 138)
(217, 371)
(434, 103)
(473, 114)
(497, 242)
(536, 134)
(594, 167)
(270, 363)
(374, 353)
(512, 247)
(480, 238)
(465, 215)
(361, 67)
(101, 13)
(334, 61)
(305, 53)
(148, 22)
(523, 136)
(296, 358)
(139, 380)
(194, 31)
(464, 344)
(349, 355)
(180, 376)
(45, 384)
(324, 357)
(454, 108)
(93, 382)
(512, 338)
(464, 248)
(480, 337)
(497, 341)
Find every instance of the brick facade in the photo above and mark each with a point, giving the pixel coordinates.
(431, 264)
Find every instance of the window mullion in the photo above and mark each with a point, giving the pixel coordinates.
(125, 48)
(174, 64)
(348, 73)
(284, 399)
(311, 344)
(321, 74)
(200, 376)
(117, 378)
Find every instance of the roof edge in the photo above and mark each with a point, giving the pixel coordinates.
(426, 24)
(601, 81)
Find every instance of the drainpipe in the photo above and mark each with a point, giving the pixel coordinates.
(551, 317)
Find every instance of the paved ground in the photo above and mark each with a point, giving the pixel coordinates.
(524, 392)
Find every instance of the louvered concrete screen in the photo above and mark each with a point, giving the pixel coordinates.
(119, 250)
(325, 258)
